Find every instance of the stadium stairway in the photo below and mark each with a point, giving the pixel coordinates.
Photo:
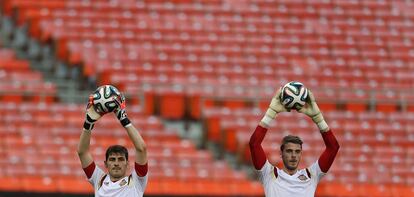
(41, 57)
(21, 84)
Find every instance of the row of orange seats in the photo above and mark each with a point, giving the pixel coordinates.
(284, 9)
(186, 100)
(64, 184)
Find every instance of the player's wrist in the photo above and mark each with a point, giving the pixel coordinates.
(125, 122)
(323, 126)
(87, 126)
(266, 120)
(86, 130)
(269, 116)
(317, 118)
(88, 123)
(271, 113)
(123, 118)
(320, 122)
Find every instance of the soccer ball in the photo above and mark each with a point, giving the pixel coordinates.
(106, 99)
(294, 95)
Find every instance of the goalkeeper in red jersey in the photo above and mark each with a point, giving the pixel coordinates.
(291, 181)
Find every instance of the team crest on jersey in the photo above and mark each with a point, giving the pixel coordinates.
(122, 183)
(302, 177)
(106, 183)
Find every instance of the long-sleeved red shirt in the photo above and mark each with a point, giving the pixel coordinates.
(325, 160)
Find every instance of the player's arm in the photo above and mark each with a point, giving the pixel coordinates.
(141, 162)
(256, 149)
(311, 109)
(139, 144)
(83, 147)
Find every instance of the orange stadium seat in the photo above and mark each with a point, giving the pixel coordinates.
(39, 184)
(11, 184)
(171, 104)
(389, 106)
(354, 100)
(72, 185)
(12, 98)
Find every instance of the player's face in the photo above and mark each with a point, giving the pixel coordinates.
(291, 156)
(117, 165)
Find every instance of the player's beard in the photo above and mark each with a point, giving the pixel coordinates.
(290, 166)
(118, 173)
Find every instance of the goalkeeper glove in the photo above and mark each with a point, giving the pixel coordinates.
(275, 107)
(120, 112)
(91, 115)
(311, 109)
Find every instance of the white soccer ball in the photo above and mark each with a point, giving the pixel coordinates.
(106, 99)
(294, 95)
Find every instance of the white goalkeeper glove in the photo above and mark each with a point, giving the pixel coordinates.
(91, 115)
(311, 109)
(275, 107)
(120, 112)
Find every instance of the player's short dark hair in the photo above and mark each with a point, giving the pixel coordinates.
(116, 149)
(291, 139)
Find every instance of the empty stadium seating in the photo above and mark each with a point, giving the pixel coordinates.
(233, 48)
(220, 61)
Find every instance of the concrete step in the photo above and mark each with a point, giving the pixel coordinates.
(73, 96)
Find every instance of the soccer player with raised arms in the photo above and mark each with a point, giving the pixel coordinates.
(116, 182)
(291, 181)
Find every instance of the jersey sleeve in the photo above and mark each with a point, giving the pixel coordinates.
(140, 182)
(267, 173)
(316, 171)
(89, 170)
(256, 149)
(97, 175)
(328, 156)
